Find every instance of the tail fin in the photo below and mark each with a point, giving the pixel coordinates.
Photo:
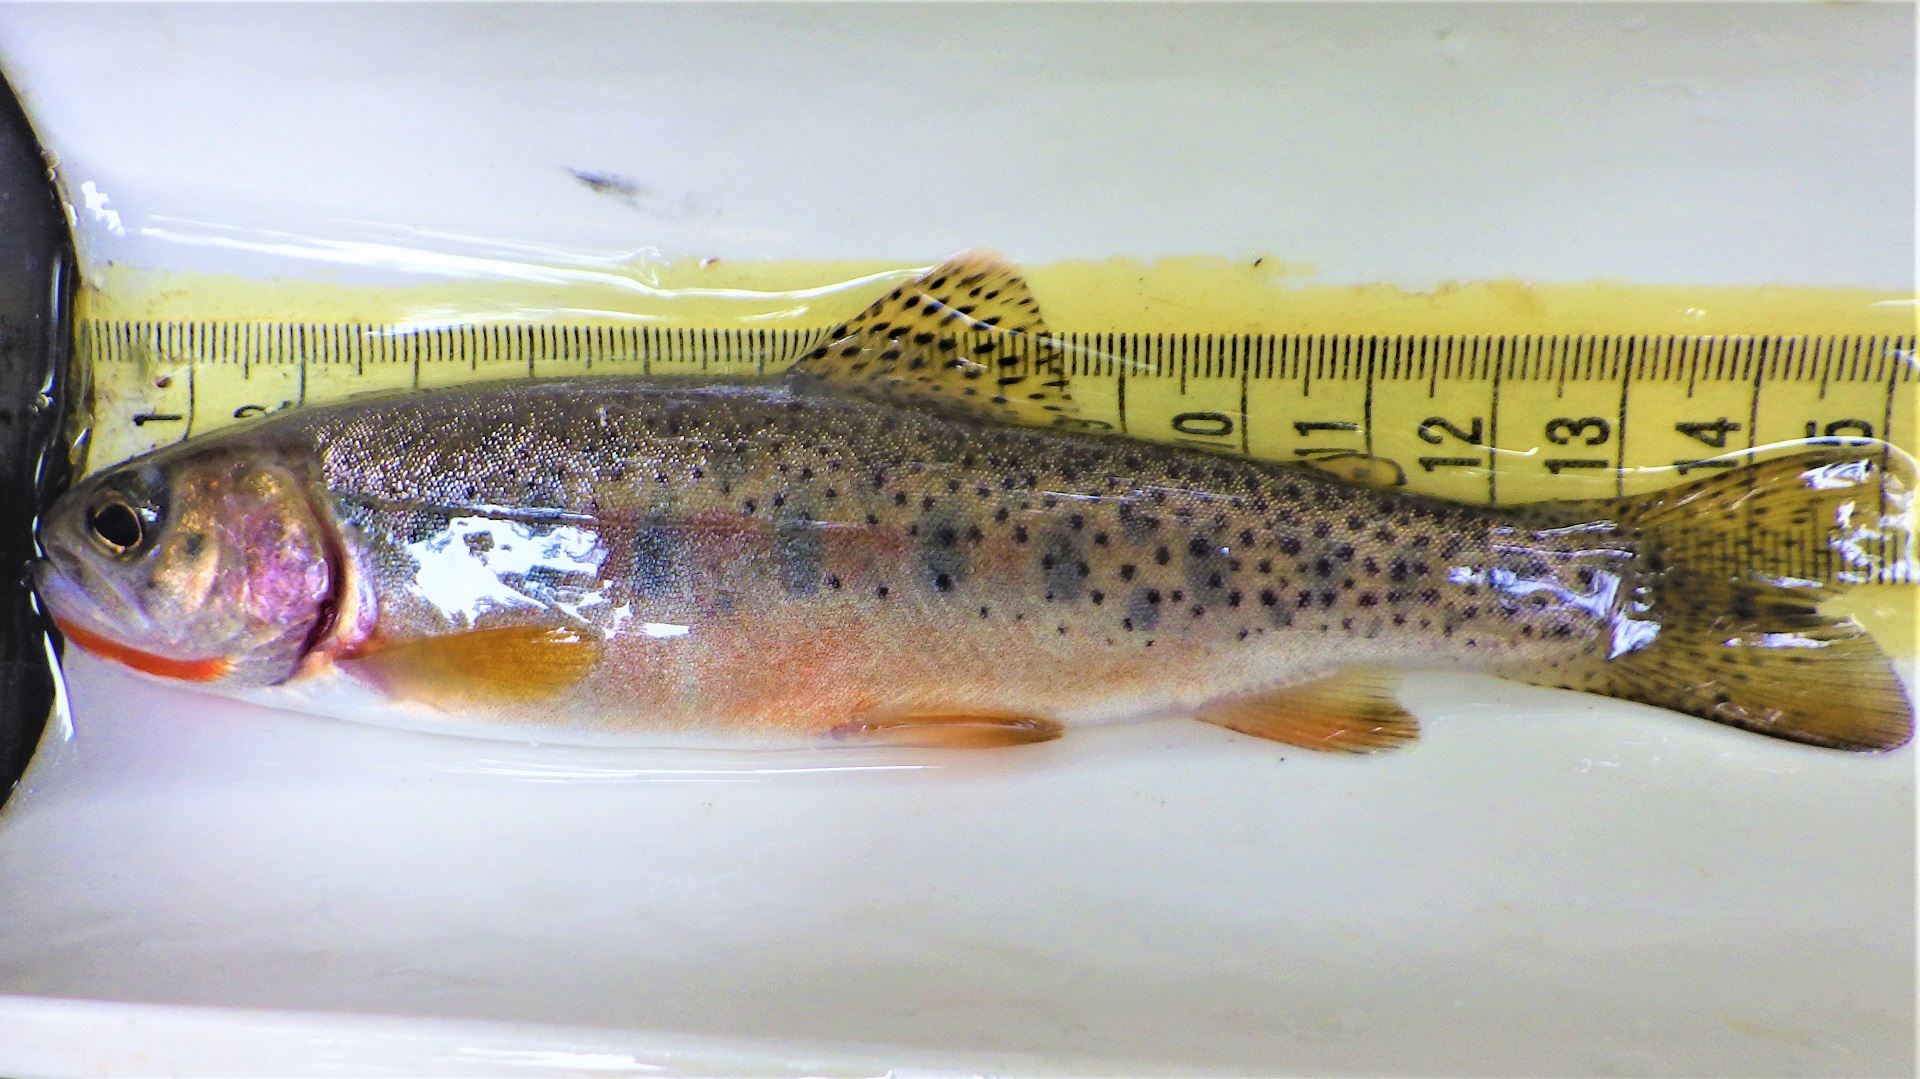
(1736, 567)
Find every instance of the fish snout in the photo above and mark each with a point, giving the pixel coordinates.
(61, 591)
(75, 594)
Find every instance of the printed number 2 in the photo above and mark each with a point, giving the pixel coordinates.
(1476, 434)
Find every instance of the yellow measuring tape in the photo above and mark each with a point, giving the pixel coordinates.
(1480, 418)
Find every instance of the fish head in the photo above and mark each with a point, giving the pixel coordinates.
(200, 563)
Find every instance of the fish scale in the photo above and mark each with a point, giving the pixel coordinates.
(913, 537)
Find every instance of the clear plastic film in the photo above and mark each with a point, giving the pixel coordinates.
(519, 598)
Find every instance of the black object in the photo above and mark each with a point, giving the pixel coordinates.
(37, 276)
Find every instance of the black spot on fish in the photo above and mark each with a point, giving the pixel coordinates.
(1143, 609)
(1206, 569)
(941, 559)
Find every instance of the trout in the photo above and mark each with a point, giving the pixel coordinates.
(910, 538)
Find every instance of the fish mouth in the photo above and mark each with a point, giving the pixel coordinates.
(57, 580)
(70, 585)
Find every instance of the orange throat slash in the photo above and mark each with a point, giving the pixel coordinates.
(184, 670)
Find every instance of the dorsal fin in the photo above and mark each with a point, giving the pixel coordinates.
(965, 338)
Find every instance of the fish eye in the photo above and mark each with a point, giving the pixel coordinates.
(126, 514)
(116, 526)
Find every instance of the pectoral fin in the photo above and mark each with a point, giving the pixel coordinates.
(1349, 711)
(949, 730)
(510, 663)
(965, 338)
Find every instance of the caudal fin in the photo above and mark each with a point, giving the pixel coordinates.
(1736, 567)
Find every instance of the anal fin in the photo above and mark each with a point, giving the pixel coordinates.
(964, 729)
(1349, 711)
(508, 663)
